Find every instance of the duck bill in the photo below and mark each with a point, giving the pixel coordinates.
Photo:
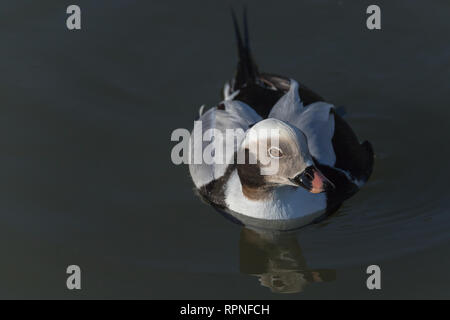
(320, 183)
(313, 180)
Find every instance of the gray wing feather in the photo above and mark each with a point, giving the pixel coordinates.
(315, 121)
(232, 114)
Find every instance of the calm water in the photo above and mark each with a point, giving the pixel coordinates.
(86, 176)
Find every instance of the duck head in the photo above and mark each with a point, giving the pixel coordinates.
(275, 153)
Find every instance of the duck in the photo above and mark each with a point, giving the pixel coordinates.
(320, 162)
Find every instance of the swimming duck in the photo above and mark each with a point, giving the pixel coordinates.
(319, 159)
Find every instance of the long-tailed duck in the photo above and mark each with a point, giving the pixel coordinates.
(320, 161)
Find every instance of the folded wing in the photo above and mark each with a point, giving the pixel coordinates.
(212, 138)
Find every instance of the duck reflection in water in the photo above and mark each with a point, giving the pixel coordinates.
(277, 260)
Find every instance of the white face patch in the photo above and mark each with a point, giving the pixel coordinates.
(280, 150)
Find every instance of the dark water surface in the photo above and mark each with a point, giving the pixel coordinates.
(86, 175)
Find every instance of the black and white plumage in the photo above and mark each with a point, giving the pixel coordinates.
(324, 163)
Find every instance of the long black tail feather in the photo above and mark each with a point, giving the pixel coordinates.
(247, 71)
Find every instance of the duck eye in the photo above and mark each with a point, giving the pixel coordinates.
(275, 152)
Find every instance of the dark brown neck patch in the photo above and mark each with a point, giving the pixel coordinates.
(254, 185)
